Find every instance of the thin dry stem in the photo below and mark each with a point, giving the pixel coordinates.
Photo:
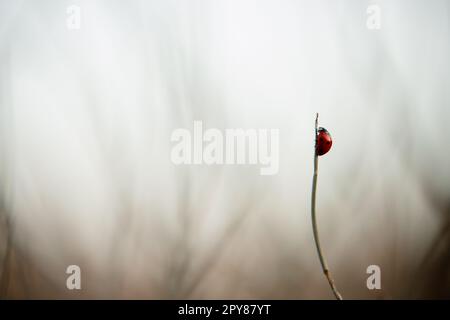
(323, 262)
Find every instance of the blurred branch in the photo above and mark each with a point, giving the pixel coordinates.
(4, 278)
(219, 246)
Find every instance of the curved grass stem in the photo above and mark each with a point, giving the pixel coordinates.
(323, 262)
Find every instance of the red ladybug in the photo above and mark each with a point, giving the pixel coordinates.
(324, 141)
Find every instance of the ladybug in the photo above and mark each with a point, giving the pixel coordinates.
(323, 142)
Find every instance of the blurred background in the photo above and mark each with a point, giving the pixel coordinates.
(86, 117)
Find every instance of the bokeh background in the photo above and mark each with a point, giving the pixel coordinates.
(86, 178)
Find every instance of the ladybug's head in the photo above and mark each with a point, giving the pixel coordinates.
(322, 129)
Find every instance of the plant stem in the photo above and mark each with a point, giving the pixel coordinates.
(323, 262)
